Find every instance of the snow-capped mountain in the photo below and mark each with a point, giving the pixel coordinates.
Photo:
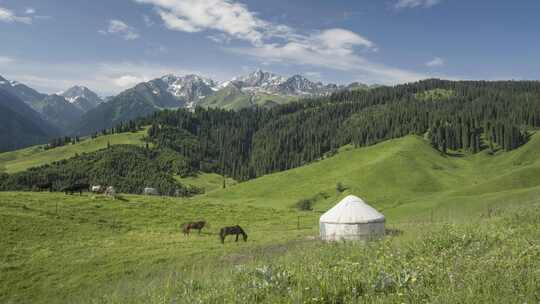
(259, 81)
(82, 97)
(188, 89)
(269, 83)
(172, 91)
(23, 92)
(59, 111)
(299, 85)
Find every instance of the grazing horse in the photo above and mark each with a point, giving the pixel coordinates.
(186, 228)
(44, 186)
(97, 189)
(76, 188)
(236, 230)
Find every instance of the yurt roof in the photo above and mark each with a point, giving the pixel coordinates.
(352, 210)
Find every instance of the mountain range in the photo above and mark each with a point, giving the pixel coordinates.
(20, 125)
(63, 110)
(82, 97)
(259, 88)
(80, 111)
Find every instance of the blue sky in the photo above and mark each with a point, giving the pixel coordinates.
(111, 45)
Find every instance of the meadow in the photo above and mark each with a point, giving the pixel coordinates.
(20, 160)
(465, 228)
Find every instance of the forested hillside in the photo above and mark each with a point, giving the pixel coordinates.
(128, 168)
(469, 117)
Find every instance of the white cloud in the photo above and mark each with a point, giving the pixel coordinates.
(271, 43)
(128, 81)
(227, 16)
(313, 75)
(148, 21)
(9, 16)
(118, 27)
(416, 3)
(6, 60)
(220, 38)
(30, 11)
(436, 62)
(331, 49)
(107, 78)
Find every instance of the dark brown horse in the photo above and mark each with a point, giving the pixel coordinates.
(186, 228)
(72, 189)
(44, 186)
(232, 230)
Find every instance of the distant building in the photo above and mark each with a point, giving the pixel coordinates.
(351, 219)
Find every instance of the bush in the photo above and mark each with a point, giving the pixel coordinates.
(305, 204)
(340, 187)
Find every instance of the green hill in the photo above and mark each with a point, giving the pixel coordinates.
(232, 98)
(400, 175)
(453, 214)
(20, 160)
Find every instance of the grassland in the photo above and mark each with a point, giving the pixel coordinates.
(462, 220)
(34, 156)
(234, 99)
(207, 181)
(435, 94)
(402, 177)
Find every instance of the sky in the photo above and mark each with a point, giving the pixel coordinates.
(111, 45)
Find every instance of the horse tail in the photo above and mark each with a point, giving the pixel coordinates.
(184, 227)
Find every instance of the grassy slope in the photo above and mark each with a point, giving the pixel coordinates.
(401, 177)
(233, 99)
(435, 94)
(95, 246)
(208, 181)
(23, 159)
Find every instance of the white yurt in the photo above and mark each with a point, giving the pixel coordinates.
(351, 219)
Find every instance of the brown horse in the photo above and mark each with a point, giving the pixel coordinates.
(186, 228)
(232, 230)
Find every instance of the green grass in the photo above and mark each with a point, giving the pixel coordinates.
(95, 244)
(400, 175)
(463, 219)
(234, 99)
(20, 160)
(495, 259)
(208, 181)
(435, 94)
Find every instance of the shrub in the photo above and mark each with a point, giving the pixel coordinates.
(340, 187)
(305, 204)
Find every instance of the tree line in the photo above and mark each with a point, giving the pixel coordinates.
(466, 116)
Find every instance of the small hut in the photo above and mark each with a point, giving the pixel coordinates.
(351, 219)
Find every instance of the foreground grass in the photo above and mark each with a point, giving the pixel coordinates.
(495, 260)
(57, 248)
(20, 160)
